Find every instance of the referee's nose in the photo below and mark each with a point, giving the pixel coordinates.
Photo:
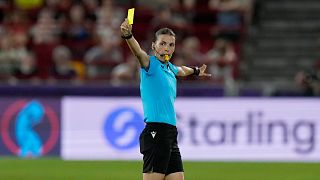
(166, 49)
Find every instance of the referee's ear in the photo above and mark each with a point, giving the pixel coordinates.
(153, 46)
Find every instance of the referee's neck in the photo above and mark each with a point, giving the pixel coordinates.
(163, 62)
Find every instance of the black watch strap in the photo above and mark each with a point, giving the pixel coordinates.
(196, 71)
(127, 36)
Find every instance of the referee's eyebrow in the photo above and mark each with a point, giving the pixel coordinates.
(167, 42)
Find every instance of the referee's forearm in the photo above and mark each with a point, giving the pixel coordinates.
(134, 46)
(138, 52)
(187, 71)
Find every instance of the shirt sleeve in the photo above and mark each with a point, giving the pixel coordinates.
(174, 68)
(151, 68)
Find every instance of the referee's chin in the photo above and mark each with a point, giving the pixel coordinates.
(162, 58)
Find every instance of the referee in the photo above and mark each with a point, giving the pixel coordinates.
(158, 87)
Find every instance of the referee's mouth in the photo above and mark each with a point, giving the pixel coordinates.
(166, 57)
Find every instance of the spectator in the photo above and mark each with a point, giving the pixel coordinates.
(165, 17)
(190, 52)
(16, 22)
(308, 81)
(101, 59)
(189, 4)
(91, 6)
(79, 28)
(7, 55)
(125, 73)
(20, 41)
(27, 69)
(12, 52)
(117, 12)
(106, 24)
(221, 60)
(62, 69)
(45, 31)
(232, 16)
(79, 31)
(59, 9)
(45, 37)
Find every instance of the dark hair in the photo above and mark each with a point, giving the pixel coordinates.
(164, 31)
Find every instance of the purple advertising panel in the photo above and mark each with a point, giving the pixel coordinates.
(30, 127)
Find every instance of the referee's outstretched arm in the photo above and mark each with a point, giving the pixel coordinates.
(186, 71)
(126, 33)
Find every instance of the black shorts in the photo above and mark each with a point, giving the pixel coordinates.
(159, 146)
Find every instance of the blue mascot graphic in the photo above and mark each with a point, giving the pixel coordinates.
(122, 128)
(28, 140)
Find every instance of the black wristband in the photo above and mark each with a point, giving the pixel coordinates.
(127, 37)
(196, 71)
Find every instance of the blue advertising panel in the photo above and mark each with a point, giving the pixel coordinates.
(30, 127)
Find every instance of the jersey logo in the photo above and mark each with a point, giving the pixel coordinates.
(153, 134)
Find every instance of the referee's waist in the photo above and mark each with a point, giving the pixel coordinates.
(160, 125)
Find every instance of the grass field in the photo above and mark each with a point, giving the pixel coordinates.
(46, 169)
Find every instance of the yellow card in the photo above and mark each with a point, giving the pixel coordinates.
(130, 15)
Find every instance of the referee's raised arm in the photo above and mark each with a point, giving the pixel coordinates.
(126, 33)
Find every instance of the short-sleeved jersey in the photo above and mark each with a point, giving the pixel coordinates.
(158, 88)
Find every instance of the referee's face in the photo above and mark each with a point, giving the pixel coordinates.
(164, 45)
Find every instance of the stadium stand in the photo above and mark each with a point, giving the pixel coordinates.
(272, 40)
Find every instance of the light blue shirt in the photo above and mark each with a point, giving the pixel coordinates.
(158, 88)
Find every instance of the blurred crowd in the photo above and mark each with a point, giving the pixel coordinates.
(308, 81)
(78, 41)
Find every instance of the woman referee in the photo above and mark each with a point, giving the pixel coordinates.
(158, 87)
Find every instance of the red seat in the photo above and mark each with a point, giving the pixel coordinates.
(43, 54)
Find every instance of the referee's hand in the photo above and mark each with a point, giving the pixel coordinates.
(202, 71)
(126, 28)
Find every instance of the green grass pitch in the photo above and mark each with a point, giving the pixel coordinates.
(51, 168)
